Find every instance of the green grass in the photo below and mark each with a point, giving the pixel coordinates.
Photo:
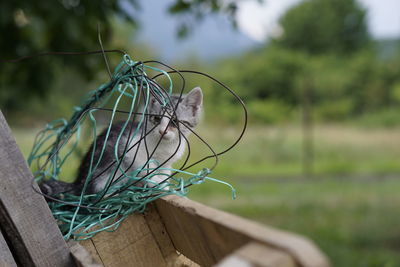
(277, 151)
(349, 208)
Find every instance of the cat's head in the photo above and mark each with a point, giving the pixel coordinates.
(167, 124)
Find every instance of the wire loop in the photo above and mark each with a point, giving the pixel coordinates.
(82, 216)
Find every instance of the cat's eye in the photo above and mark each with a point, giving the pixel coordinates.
(174, 121)
(156, 119)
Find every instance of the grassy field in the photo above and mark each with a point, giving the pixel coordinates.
(349, 208)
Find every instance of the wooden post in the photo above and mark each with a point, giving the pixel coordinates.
(307, 127)
(26, 221)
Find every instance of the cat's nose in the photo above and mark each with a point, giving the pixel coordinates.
(163, 131)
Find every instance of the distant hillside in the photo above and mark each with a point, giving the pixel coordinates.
(387, 48)
(213, 38)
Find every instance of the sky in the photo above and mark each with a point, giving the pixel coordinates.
(260, 21)
(212, 38)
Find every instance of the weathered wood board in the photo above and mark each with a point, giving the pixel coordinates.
(25, 218)
(82, 256)
(132, 244)
(206, 235)
(6, 258)
(160, 234)
(203, 235)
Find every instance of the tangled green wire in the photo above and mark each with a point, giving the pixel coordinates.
(82, 216)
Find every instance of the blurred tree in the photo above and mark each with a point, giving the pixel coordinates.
(30, 27)
(319, 26)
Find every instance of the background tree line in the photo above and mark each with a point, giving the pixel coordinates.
(33, 87)
(325, 48)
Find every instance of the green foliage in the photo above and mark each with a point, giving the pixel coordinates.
(325, 57)
(334, 111)
(388, 118)
(199, 9)
(271, 73)
(269, 111)
(340, 87)
(34, 27)
(395, 92)
(320, 26)
(31, 27)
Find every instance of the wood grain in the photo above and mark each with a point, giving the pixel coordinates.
(160, 234)
(25, 217)
(89, 246)
(82, 257)
(131, 245)
(6, 258)
(206, 235)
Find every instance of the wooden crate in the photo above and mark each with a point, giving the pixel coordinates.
(174, 231)
(175, 226)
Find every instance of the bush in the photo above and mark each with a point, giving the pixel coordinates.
(269, 111)
(334, 111)
(389, 118)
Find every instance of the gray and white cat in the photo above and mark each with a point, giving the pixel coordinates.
(166, 133)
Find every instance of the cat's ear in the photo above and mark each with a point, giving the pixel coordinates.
(194, 100)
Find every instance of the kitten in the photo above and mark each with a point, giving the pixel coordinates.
(164, 143)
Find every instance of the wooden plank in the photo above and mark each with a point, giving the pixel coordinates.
(160, 234)
(131, 245)
(82, 257)
(89, 246)
(6, 258)
(25, 218)
(256, 254)
(206, 235)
